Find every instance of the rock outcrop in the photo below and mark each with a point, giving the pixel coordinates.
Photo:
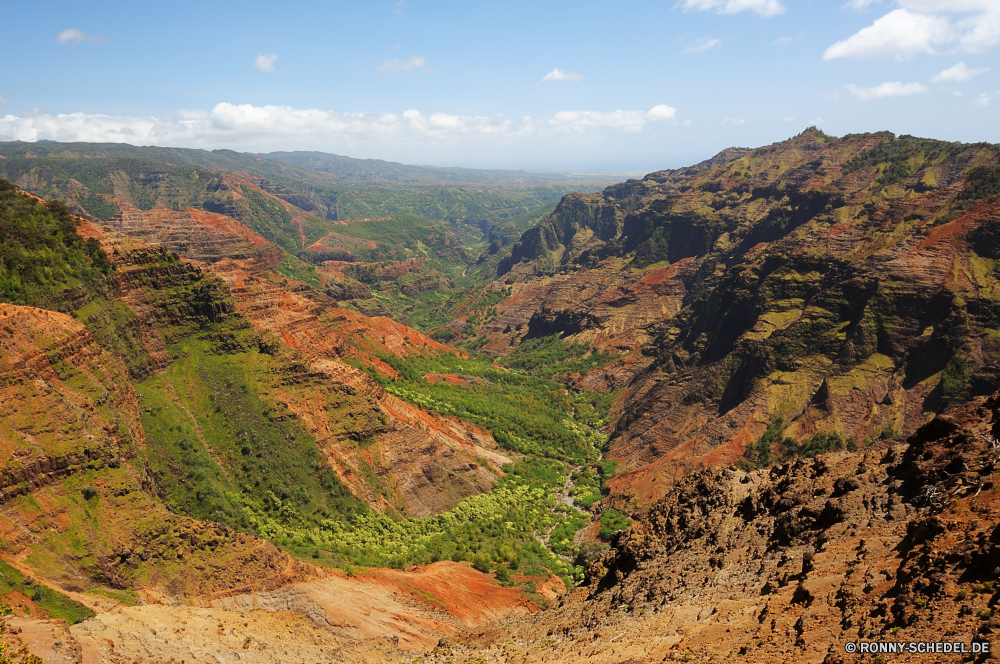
(196, 234)
(789, 564)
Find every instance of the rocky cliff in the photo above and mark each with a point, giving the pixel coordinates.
(791, 563)
(838, 285)
(199, 235)
(75, 494)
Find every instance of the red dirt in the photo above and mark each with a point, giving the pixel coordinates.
(470, 596)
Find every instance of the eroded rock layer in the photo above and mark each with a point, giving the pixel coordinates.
(840, 285)
(895, 543)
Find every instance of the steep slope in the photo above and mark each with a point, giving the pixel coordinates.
(894, 544)
(226, 423)
(432, 464)
(203, 236)
(839, 285)
(74, 498)
(418, 464)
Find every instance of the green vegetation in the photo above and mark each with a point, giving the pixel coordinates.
(493, 531)
(121, 596)
(293, 268)
(55, 604)
(818, 443)
(551, 358)
(982, 182)
(900, 157)
(774, 445)
(42, 257)
(613, 521)
(759, 453)
(589, 486)
(97, 206)
(217, 438)
(526, 413)
(956, 377)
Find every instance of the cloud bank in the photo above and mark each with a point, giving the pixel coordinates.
(277, 127)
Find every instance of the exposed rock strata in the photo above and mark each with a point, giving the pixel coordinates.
(811, 280)
(200, 235)
(433, 463)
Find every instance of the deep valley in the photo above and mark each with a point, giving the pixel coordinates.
(298, 407)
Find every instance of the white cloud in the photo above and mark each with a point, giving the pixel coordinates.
(983, 100)
(265, 61)
(416, 62)
(900, 33)
(282, 127)
(891, 89)
(702, 45)
(74, 36)
(560, 75)
(734, 121)
(919, 26)
(789, 119)
(959, 73)
(762, 7)
(33, 112)
(661, 112)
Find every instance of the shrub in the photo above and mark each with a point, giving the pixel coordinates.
(613, 521)
(956, 376)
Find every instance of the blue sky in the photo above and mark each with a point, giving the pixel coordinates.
(555, 85)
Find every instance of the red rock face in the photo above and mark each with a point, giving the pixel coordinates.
(429, 464)
(69, 421)
(49, 429)
(196, 234)
(814, 281)
(432, 463)
(790, 564)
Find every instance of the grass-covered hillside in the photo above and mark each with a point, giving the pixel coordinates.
(228, 413)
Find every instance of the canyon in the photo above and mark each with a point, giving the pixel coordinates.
(779, 364)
